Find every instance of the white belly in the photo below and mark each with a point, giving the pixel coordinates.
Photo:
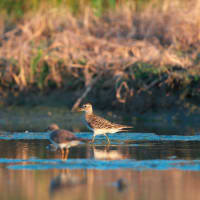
(103, 131)
(65, 145)
(57, 145)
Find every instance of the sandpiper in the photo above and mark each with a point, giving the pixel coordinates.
(100, 125)
(63, 139)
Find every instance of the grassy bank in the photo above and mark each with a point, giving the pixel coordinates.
(126, 55)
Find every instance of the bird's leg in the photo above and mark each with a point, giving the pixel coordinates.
(62, 152)
(66, 153)
(107, 139)
(107, 147)
(93, 137)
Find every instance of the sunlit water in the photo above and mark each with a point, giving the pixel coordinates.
(134, 166)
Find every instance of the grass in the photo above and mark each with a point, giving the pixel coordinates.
(134, 48)
(18, 8)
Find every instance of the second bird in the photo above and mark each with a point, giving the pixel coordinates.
(100, 125)
(63, 139)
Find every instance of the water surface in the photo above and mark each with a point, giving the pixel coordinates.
(135, 166)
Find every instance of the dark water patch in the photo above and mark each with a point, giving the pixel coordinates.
(136, 146)
(137, 151)
(130, 149)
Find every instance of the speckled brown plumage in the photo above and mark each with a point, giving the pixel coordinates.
(97, 122)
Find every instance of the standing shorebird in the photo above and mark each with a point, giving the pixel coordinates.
(100, 125)
(63, 139)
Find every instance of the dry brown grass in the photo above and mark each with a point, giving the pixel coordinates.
(53, 47)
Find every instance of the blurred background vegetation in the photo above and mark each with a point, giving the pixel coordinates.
(18, 8)
(137, 55)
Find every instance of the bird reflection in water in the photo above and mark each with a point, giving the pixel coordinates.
(107, 154)
(65, 181)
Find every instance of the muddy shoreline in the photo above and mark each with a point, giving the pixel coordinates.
(36, 118)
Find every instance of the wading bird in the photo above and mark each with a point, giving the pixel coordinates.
(99, 125)
(63, 139)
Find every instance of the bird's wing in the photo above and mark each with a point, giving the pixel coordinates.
(98, 122)
(69, 136)
(62, 135)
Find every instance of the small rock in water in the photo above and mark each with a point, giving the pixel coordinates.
(172, 157)
(120, 184)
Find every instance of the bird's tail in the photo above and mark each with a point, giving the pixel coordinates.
(125, 128)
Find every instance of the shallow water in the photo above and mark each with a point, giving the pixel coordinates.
(134, 166)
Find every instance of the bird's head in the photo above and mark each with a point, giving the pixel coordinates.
(52, 127)
(86, 107)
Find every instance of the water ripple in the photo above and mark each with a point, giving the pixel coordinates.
(45, 164)
(117, 136)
